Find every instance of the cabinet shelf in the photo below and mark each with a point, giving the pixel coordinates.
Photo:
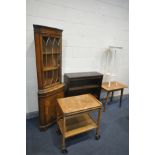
(50, 68)
(44, 53)
(83, 87)
(50, 83)
(77, 124)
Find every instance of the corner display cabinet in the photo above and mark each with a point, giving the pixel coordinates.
(48, 49)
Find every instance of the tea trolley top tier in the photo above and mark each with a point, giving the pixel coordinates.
(48, 44)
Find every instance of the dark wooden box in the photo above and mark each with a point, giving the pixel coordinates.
(83, 83)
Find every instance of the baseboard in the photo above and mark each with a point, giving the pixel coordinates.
(31, 115)
(35, 114)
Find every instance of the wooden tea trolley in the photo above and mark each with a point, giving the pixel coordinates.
(73, 116)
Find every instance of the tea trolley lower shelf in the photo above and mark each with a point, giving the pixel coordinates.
(74, 116)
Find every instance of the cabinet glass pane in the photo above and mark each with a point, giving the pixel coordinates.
(51, 60)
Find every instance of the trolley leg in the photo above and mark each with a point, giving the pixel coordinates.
(64, 150)
(98, 124)
(57, 130)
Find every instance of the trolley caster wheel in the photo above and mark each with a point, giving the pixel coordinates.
(97, 137)
(64, 151)
(58, 132)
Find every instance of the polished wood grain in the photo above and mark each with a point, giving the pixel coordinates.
(78, 103)
(114, 85)
(77, 125)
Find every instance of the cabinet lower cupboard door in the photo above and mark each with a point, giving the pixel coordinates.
(47, 109)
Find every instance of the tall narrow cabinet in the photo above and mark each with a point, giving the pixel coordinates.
(48, 49)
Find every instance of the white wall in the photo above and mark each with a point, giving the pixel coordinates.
(90, 26)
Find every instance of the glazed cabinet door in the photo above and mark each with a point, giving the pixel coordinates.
(51, 56)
